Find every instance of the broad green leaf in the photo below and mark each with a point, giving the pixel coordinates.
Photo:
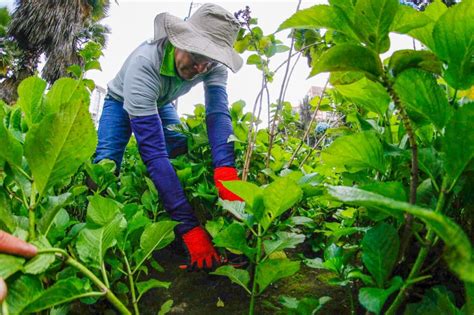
(53, 206)
(30, 99)
(454, 44)
(425, 33)
(458, 143)
(283, 241)
(366, 93)
(166, 307)
(12, 150)
(278, 197)
(437, 300)
(9, 265)
(65, 90)
(238, 276)
(92, 243)
(372, 21)
(156, 236)
(394, 190)
(355, 152)
(22, 292)
(459, 255)
(92, 65)
(57, 146)
(234, 238)
(146, 286)
(245, 190)
(102, 210)
(406, 59)
(408, 19)
(419, 91)
(380, 247)
(373, 299)
(63, 291)
(320, 16)
(272, 270)
(348, 57)
(305, 306)
(40, 263)
(236, 208)
(347, 6)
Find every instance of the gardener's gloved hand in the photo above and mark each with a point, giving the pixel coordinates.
(225, 173)
(202, 254)
(9, 244)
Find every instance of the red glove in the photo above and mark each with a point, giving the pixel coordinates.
(225, 173)
(202, 254)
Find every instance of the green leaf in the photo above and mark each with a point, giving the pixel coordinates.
(76, 70)
(146, 286)
(419, 91)
(57, 146)
(421, 59)
(12, 150)
(65, 90)
(236, 208)
(373, 299)
(380, 247)
(40, 263)
(459, 254)
(348, 57)
(101, 210)
(272, 270)
(234, 238)
(453, 43)
(394, 190)
(437, 300)
(22, 292)
(424, 34)
(254, 60)
(355, 152)
(92, 243)
(320, 16)
(283, 240)
(63, 291)
(278, 197)
(92, 65)
(30, 99)
(156, 236)
(9, 265)
(53, 206)
(166, 307)
(372, 21)
(245, 190)
(458, 143)
(408, 19)
(366, 93)
(238, 276)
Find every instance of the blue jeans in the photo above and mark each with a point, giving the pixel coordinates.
(115, 131)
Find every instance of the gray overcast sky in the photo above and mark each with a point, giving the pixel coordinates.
(131, 22)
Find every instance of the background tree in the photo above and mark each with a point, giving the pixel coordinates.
(57, 29)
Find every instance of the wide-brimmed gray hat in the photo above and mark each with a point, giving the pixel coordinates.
(211, 31)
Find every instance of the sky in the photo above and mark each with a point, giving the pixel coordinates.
(131, 23)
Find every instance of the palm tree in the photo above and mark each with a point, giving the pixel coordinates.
(57, 29)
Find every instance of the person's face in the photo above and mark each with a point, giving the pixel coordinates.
(189, 65)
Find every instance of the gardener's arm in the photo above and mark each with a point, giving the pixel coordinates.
(141, 89)
(9, 244)
(219, 129)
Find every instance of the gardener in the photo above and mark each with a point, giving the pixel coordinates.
(9, 244)
(181, 55)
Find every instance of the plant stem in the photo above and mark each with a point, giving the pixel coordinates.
(5, 308)
(351, 299)
(407, 231)
(313, 119)
(104, 275)
(132, 284)
(31, 213)
(109, 294)
(420, 259)
(280, 100)
(257, 261)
